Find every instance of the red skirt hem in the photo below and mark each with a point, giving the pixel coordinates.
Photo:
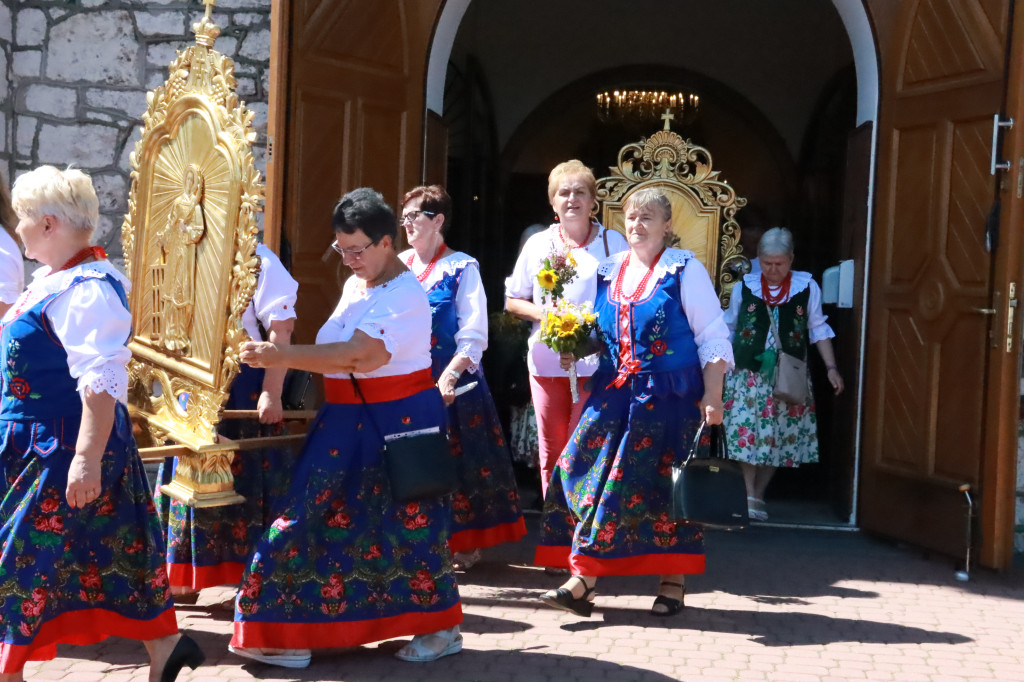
(478, 538)
(84, 627)
(341, 633)
(644, 564)
(198, 577)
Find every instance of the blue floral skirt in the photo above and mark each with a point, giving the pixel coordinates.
(210, 546)
(76, 576)
(485, 508)
(343, 564)
(608, 506)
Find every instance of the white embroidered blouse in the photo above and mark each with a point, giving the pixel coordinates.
(397, 312)
(470, 301)
(817, 325)
(90, 322)
(522, 283)
(274, 298)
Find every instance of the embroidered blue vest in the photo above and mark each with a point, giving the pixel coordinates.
(444, 320)
(34, 380)
(661, 340)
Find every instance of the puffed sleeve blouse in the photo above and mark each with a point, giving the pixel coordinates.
(396, 312)
(275, 295)
(90, 321)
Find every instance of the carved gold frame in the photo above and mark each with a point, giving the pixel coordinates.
(703, 206)
(192, 174)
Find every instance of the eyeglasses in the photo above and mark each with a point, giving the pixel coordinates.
(413, 215)
(351, 253)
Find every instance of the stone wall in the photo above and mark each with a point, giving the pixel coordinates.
(74, 76)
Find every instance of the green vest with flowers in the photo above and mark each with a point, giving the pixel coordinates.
(753, 325)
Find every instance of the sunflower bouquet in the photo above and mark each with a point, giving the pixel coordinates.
(567, 329)
(557, 270)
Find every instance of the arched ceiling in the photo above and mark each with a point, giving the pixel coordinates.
(778, 54)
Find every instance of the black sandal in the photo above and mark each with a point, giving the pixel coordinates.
(185, 652)
(672, 606)
(561, 598)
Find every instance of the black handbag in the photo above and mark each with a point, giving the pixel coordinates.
(710, 490)
(418, 464)
(296, 381)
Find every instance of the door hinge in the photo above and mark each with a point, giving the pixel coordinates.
(1011, 307)
(270, 147)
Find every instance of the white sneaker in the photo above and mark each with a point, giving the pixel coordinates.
(286, 658)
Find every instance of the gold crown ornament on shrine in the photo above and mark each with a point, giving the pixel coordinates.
(189, 242)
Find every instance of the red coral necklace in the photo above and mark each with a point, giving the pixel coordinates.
(430, 266)
(96, 252)
(781, 297)
(586, 240)
(638, 292)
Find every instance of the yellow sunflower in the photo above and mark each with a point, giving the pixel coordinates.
(567, 326)
(547, 278)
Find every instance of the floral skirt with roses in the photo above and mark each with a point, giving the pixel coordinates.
(343, 564)
(485, 508)
(608, 507)
(76, 576)
(764, 431)
(209, 546)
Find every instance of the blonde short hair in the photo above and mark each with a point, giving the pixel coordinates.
(67, 195)
(572, 168)
(649, 196)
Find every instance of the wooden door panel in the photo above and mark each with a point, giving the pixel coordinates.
(926, 384)
(355, 118)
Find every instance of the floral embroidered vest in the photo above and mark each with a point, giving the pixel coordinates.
(444, 320)
(753, 325)
(35, 383)
(661, 340)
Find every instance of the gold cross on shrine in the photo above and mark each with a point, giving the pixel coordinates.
(666, 117)
(209, 7)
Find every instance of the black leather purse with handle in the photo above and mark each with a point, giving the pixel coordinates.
(709, 490)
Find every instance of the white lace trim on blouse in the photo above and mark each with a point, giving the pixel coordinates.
(801, 280)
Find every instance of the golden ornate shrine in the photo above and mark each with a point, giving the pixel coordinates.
(703, 206)
(189, 247)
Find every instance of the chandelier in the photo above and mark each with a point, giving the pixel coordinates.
(647, 105)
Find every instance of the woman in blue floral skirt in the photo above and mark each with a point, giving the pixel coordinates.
(486, 505)
(344, 564)
(83, 555)
(209, 547)
(665, 349)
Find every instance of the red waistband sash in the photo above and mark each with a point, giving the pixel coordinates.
(377, 389)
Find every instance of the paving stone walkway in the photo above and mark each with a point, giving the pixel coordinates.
(775, 604)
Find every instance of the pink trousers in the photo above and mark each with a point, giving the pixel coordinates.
(557, 418)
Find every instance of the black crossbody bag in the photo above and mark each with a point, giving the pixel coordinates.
(418, 464)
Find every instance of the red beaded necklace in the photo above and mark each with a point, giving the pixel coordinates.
(638, 292)
(775, 299)
(96, 252)
(561, 235)
(430, 266)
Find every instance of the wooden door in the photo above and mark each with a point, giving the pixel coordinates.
(352, 114)
(931, 281)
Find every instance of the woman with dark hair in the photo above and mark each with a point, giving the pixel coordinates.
(12, 267)
(485, 507)
(345, 564)
(83, 555)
